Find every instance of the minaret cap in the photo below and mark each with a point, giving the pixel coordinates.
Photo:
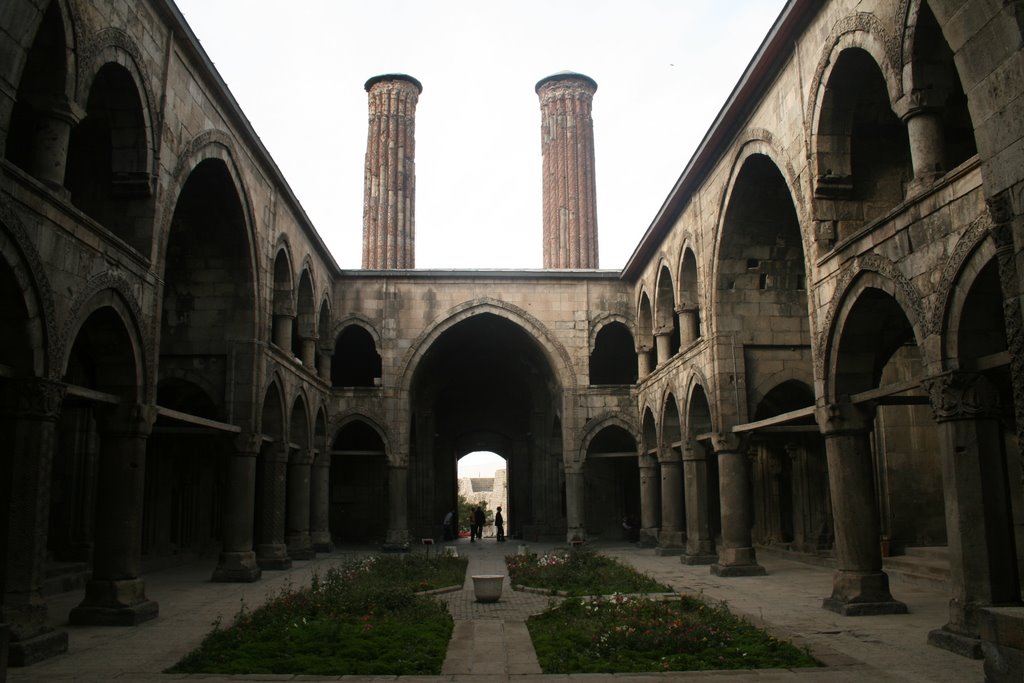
(565, 76)
(394, 77)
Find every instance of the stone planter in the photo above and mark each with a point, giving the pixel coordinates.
(487, 587)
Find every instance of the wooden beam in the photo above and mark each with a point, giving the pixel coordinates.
(885, 392)
(774, 420)
(179, 416)
(790, 429)
(990, 362)
(92, 395)
(612, 454)
(355, 452)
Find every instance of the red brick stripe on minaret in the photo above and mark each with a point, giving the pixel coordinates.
(570, 188)
(389, 192)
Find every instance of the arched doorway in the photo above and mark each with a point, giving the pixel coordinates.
(486, 384)
(612, 485)
(358, 485)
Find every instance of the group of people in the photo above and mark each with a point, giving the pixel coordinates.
(477, 518)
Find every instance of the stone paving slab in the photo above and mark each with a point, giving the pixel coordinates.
(887, 649)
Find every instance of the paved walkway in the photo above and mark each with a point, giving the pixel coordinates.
(490, 642)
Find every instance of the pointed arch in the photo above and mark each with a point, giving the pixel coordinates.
(557, 357)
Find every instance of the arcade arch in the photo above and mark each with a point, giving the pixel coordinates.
(612, 481)
(486, 383)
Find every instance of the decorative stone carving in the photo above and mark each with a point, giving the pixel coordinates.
(962, 396)
(34, 399)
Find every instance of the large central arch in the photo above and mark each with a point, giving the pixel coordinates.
(486, 381)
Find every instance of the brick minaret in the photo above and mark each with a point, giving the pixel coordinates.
(389, 192)
(570, 194)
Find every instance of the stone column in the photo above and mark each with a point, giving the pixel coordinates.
(662, 341)
(569, 185)
(116, 596)
(688, 325)
(389, 189)
(736, 557)
(309, 353)
(300, 547)
(320, 504)
(979, 516)
(650, 500)
(574, 485)
(670, 538)
(927, 146)
(32, 407)
(700, 547)
(237, 561)
(859, 586)
(643, 362)
(54, 122)
(271, 551)
(325, 364)
(283, 331)
(398, 506)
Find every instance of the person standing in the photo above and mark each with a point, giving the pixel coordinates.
(472, 524)
(480, 519)
(499, 525)
(447, 524)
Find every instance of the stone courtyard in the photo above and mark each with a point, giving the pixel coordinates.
(815, 351)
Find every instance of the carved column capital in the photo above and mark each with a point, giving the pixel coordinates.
(962, 396)
(844, 417)
(727, 442)
(1000, 207)
(34, 398)
(303, 456)
(248, 444)
(647, 461)
(667, 454)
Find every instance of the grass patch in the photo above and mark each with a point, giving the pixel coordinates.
(361, 618)
(578, 572)
(620, 634)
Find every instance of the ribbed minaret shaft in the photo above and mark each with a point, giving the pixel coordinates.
(570, 188)
(389, 191)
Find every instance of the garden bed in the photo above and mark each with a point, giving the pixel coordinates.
(366, 617)
(621, 621)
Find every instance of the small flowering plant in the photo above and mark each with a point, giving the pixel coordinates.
(619, 634)
(579, 571)
(362, 617)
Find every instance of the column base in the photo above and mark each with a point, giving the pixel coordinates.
(958, 643)
(856, 594)
(114, 603)
(322, 541)
(237, 567)
(698, 559)
(273, 556)
(300, 547)
(648, 538)
(670, 543)
(37, 649)
(731, 570)
(737, 562)
(396, 541)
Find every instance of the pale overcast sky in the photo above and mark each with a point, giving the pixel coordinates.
(663, 67)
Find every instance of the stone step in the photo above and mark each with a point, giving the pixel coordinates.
(936, 552)
(927, 567)
(61, 577)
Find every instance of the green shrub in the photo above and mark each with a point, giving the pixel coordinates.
(579, 571)
(622, 634)
(361, 618)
